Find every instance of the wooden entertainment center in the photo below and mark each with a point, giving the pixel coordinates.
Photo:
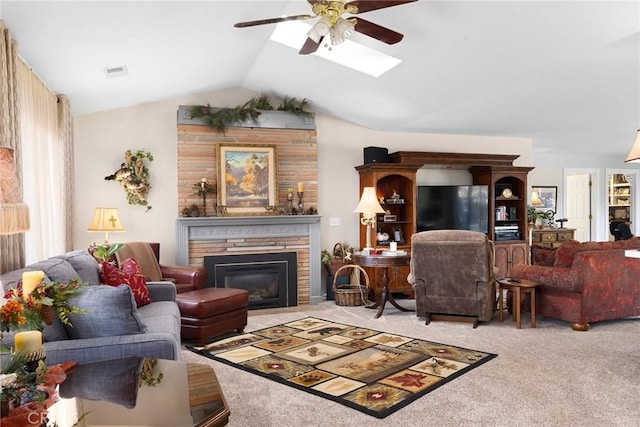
(507, 193)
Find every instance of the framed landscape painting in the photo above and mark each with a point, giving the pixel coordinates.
(247, 178)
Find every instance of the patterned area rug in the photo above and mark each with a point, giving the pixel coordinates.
(368, 370)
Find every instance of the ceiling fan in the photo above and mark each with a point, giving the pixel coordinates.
(333, 24)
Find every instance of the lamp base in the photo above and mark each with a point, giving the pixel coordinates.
(368, 246)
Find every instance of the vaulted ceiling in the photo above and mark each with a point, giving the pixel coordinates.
(566, 74)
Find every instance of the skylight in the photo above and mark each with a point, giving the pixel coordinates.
(349, 54)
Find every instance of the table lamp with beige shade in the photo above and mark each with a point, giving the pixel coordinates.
(536, 201)
(369, 207)
(107, 220)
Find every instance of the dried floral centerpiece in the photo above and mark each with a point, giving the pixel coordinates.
(35, 310)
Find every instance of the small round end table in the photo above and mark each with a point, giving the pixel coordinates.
(384, 262)
(518, 287)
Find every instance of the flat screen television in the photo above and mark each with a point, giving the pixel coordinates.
(453, 207)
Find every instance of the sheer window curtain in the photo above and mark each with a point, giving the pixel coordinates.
(37, 124)
(47, 156)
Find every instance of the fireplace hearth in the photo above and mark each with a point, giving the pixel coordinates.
(270, 278)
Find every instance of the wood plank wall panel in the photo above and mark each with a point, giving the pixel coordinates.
(297, 153)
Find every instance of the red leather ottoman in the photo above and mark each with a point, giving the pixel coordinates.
(209, 312)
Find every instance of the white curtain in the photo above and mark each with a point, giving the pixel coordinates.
(45, 165)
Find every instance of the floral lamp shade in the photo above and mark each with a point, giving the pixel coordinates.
(14, 214)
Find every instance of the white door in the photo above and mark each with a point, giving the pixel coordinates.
(579, 206)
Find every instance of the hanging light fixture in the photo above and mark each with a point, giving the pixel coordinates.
(320, 29)
(634, 154)
(342, 29)
(332, 23)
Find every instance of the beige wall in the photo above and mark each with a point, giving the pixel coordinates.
(102, 138)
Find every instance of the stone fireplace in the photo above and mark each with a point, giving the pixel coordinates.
(203, 237)
(271, 278)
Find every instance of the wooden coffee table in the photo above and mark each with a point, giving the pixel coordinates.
(518, 287)
(384, 262)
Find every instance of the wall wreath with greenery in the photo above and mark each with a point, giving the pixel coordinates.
(133, 176)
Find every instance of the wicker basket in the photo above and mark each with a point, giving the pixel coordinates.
(351, 295)
(336, 264)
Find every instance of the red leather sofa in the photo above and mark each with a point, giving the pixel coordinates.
(587, 282)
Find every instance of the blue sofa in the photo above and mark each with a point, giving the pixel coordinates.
(113, 326)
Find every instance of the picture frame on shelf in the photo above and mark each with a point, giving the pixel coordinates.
(247, 178)
(548, 195)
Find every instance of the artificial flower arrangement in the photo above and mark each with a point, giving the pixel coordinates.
(34, 311)
(27, 385)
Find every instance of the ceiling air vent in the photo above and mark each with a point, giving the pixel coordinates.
(112, 72)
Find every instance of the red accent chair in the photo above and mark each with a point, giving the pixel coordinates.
(587, 282)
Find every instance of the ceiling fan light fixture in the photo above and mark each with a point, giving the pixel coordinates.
(341, 30)
(323, 25)
(320, 29)
(314, 35)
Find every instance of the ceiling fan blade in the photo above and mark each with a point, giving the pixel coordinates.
(377, 31)
(272, 21)
(369, 5)
(310, 46)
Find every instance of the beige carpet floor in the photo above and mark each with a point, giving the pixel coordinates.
(548, 376)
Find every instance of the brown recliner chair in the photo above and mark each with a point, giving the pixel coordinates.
(453, 275)
(186, 278)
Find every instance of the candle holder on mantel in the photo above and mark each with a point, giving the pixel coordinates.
(290, 201)
(202, 189)
(300, 203)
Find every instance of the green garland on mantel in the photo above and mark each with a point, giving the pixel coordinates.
(247, 112)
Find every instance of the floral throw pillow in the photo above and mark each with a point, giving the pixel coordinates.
(131, 275)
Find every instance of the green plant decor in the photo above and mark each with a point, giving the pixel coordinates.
(104, 252)
(248, 112)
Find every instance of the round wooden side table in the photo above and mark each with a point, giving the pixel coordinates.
(518, 287)
(384, 262)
